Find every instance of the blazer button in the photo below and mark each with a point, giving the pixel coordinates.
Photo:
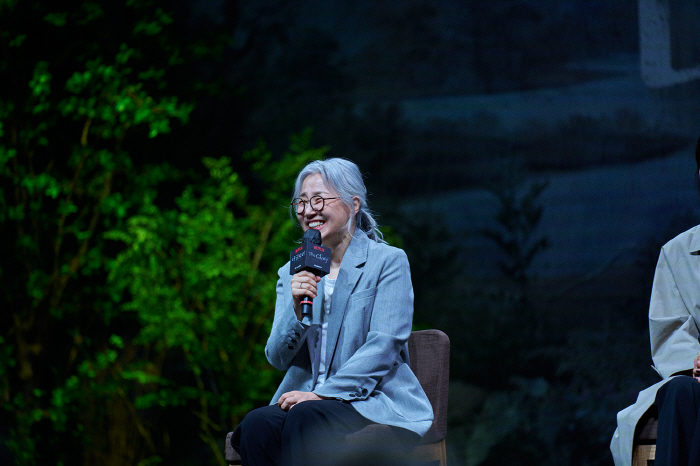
(290, 347)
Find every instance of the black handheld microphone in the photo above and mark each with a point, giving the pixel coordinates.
(313, 257)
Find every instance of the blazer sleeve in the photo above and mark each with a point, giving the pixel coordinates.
(672, 329)
(389, 329)
(288, 335)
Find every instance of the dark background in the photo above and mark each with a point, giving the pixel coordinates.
(461, 111)
(529, 156)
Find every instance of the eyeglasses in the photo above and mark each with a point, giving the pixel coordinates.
(317, 203)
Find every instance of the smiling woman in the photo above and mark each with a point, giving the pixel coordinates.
(347, 361)
(343, 177)
(332, 220)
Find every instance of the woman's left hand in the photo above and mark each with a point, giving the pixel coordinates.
(289, 399)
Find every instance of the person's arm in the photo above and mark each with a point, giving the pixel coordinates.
(672, 330)
(288, 335)
(389, 329)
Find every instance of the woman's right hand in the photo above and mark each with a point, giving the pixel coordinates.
(304, 284)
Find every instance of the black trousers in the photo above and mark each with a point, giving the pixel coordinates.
(310, 433)
(678, 437)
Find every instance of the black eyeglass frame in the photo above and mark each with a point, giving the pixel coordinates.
(301, 202)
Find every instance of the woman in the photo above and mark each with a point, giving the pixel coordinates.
(674, 321)
(347, 367)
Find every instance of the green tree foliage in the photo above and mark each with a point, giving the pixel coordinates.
(200, 278)
(116, 305)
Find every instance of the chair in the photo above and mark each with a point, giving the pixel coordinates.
(429, 353)
(644, 448)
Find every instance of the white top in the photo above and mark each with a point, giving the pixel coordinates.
(328, 287)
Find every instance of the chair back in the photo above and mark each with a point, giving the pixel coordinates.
(429, 357)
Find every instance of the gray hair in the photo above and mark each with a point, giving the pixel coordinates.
(344, 177)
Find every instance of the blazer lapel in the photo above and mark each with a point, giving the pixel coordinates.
(348, 276)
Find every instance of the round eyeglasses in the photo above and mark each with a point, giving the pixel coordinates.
(317, 203)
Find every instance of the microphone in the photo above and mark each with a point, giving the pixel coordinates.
(313, 257)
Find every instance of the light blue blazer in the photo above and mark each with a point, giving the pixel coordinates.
(366, 346)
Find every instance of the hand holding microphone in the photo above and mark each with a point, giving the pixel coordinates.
(304, 286)
(308, 263)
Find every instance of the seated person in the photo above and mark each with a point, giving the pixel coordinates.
(347, 366)
(674, 318)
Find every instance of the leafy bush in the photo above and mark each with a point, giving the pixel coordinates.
(131, 325)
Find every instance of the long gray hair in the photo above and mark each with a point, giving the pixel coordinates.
(344, 177)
